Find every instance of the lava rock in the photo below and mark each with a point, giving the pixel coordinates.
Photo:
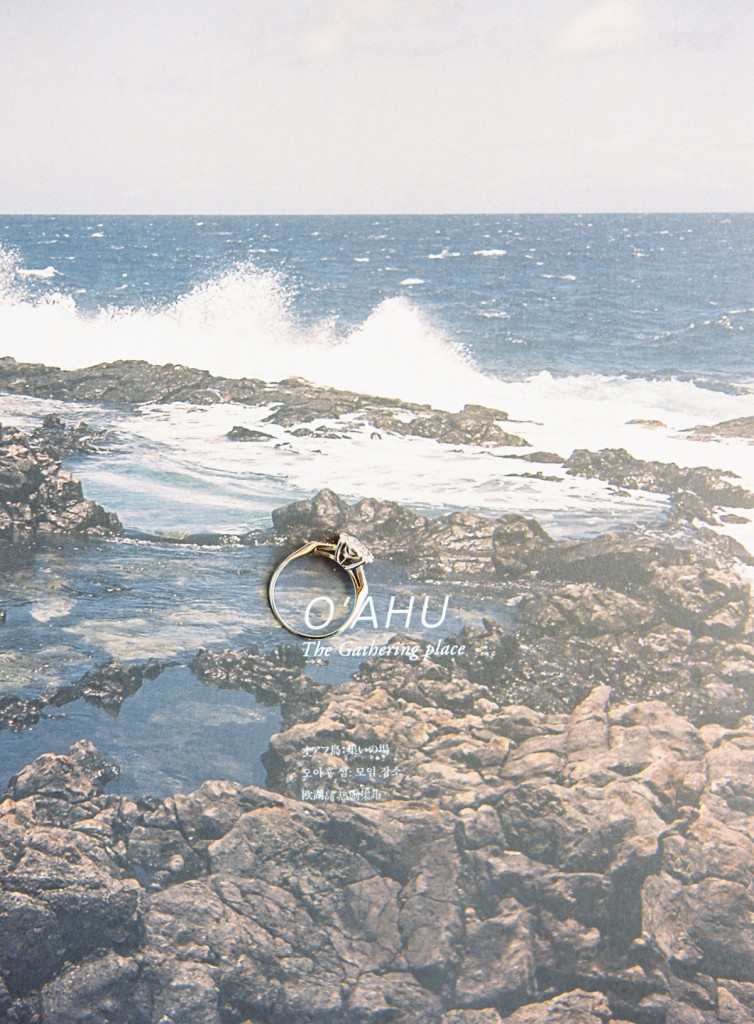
(61, 441)
(620, 469)
(743, 427)
(294, 402)
(596, 868)
(38, 498)
(239, 433)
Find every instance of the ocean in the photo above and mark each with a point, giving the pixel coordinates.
(589, 331)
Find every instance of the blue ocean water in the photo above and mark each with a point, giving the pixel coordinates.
(648, 295)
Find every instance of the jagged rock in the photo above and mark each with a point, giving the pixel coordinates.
(294, 401)
(474, 424)
(107, 988)
(619, 468)
(516, 544)
(499, 964)
(20, 712)
(74, 777)
(577, 1007)
(106, 686)
(460, 544)
(60, 441)
(703, 598)
(239, 433)
(598, 868)
(587, 610)
(275, 678)
(743, 427)
(385, 526)
(37, 498)
(31, 948)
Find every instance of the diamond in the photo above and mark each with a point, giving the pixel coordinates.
(351, 553)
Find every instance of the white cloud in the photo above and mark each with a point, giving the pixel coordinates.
(604, 26)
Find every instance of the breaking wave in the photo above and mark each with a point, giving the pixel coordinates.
(243, 324)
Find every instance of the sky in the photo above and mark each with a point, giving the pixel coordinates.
(376, 106)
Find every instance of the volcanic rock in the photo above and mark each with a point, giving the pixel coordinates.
(239, 433)
(742, 427)
(596, 870)
(294, 402)
(61, 441)
(39, 499)
(620, 469)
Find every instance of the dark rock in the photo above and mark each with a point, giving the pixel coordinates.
(106, 686)
(620, 469)
(38, 499)
(20, 712)
(499, 964)
(474, 424)
(517, 544)
(600, 859)
(60, 441)
(458, 545)
(703, 598)
(110, 684)
(74, 777)
(238, 433)
(544, 457)
(385, 526)
(294, 401)
(107, 988)
(741, 427)
(275, 678)
(31, 948)
(587, 610)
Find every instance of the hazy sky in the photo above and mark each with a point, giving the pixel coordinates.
(367, 106)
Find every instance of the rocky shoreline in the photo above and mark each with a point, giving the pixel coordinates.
(292, 403)
(38, 499)
(550, 826)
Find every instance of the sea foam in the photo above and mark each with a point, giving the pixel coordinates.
(243, 324)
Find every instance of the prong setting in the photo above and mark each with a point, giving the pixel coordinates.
(350, 553)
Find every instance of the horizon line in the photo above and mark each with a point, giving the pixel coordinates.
(383, 213)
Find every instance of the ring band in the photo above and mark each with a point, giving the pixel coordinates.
(351, 556)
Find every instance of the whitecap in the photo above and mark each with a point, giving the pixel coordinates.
(47, 272)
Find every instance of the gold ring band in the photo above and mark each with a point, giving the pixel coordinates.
(347, 553)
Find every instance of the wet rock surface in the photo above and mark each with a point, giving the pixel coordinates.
(742, 427)
(106, 686)
(618, 467)
(59, 440)
(38, 499)
(275, 678)
(239, 433)
(293, 402)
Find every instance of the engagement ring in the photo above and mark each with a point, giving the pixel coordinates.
(348, 554)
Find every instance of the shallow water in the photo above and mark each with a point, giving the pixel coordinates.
(169, 737)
